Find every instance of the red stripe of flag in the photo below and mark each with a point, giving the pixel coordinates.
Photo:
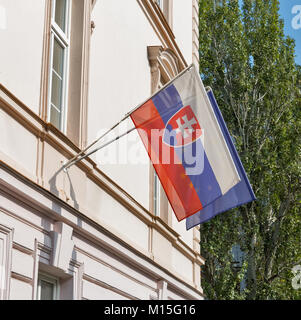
(177, 185)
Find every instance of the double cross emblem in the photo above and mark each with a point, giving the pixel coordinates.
(182, 128)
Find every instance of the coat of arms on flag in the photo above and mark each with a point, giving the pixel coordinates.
(190, 148)
(178, 123)
(183, 128)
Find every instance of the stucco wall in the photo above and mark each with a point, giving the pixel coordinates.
(102, 266)
(182, 27)
(21, 38)
(120, 80)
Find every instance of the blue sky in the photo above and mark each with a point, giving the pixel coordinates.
(290, 12)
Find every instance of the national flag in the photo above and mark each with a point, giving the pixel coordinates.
(185, 144)
(240, 194)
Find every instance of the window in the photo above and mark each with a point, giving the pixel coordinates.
(166, 8)
(5, 260)
(164, 67)
(59, 63)
(159, 202)
(156, 194)
(159, 205)
(156, 187)
(160, 3)
(48, 287)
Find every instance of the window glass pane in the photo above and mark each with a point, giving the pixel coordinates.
(60, 13)
(47, 290)
(160, 3)
(58, 58)
(55, 117)
(56, 90)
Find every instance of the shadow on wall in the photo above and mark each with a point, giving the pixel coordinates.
(53, 189)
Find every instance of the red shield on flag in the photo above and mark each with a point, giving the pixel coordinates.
(182, 128)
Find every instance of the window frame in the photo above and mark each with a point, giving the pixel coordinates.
(156, 188)
(160, 3)
(166, 9)
(156, 195)
(50, 279)
(63, 38)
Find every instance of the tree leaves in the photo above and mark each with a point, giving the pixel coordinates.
(249, 63)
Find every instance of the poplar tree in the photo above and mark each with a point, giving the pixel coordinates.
(250, 65)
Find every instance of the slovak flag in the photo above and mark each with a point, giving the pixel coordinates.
(185, 143)
(240, 194)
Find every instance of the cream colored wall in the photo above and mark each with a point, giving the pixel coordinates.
(23, 151)
(102, 265)
(21, 39)
(182, 27)
(180, 228)
(89, 192)
(123, 61)
(119, 80)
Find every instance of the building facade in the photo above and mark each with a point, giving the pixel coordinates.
(103, 229)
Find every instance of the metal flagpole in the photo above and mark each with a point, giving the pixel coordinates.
(99, 148)
(73, 160)
(76, 159)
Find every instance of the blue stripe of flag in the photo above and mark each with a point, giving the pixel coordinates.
(240, 194)
(168, 102)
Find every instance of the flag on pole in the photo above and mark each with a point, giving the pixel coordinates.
(185, 144)
(240, 194)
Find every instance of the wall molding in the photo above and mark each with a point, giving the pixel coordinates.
(22, 249)
(6, 236)
(108, 287)
(45, 62)
(45, 131)
(91, 256)
(22, 278)
(161, 27)
(101, 237)
(195, 33)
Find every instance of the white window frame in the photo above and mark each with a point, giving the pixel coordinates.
(156, 194)
(157, 185)
(166, 8)
(63, 39)
(50, 279)
(160, 3)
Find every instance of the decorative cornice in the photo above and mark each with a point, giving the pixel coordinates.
(21, 277)
(108, 287)
(164, 64)
(23, 249)
(153, 54)
(162, 29)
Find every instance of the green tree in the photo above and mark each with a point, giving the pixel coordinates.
(249, 62)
